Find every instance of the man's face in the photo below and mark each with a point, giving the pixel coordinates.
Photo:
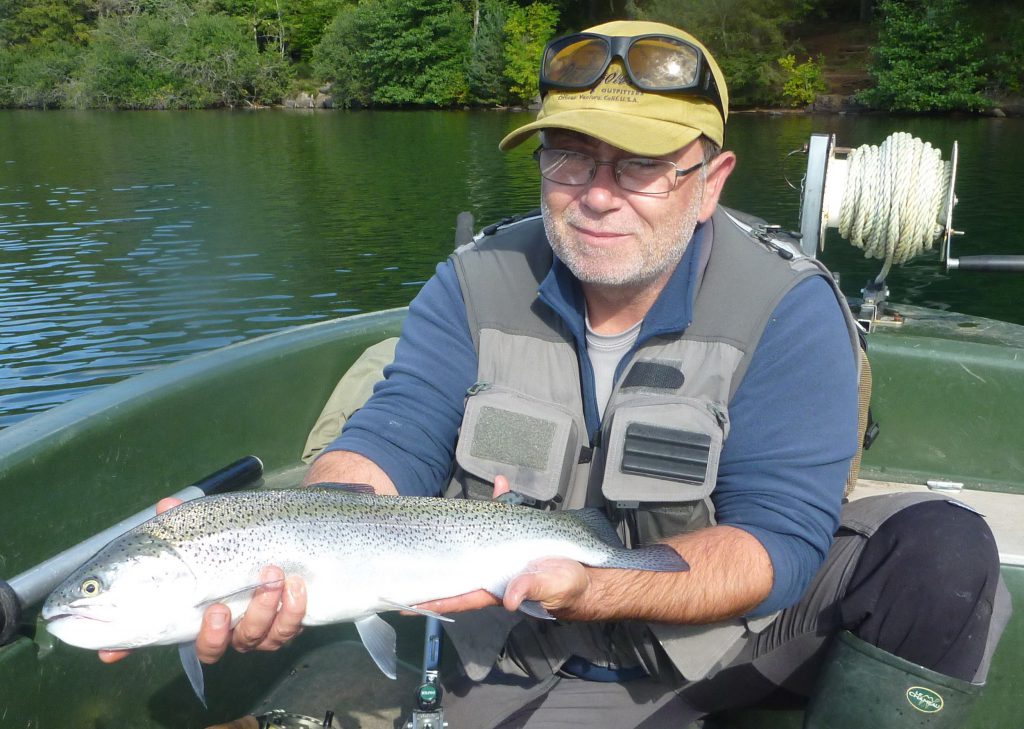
(608, 236)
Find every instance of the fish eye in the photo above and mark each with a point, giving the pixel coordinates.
(91, 587)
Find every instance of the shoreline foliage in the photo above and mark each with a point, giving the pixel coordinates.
(927, 58)
(930, 55)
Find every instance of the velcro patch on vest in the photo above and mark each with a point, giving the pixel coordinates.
(650, 375)
(513, 438)
(506, 434)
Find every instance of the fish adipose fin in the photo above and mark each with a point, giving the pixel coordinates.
(379, 640)
(193, 669)
(418, 610)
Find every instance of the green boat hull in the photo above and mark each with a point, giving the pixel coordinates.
(947, 392)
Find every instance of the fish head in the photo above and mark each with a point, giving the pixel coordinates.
(133, 593)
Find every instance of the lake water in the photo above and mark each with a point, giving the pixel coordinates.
(129, 240)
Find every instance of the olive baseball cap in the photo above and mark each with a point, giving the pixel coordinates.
(616, 112)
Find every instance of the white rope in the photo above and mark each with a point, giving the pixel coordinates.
(893, 205)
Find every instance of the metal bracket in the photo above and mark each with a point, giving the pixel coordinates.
(812, 199)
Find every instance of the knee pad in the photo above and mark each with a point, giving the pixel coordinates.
(924, 587)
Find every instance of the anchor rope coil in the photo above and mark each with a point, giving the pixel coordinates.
(893, 204)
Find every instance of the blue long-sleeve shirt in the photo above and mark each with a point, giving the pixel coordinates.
(793, 420)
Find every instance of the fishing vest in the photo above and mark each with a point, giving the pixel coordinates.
(654, 463)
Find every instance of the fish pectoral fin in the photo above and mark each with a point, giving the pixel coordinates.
(379, 640)
(193, 669)
(413, 609)
(234, 593)
(535, 610)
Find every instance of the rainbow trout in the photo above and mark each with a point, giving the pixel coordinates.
(360, 554)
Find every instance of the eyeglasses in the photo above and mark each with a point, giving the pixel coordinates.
(653, 62)
(636, 174)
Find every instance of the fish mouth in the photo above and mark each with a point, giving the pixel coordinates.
(65, 616)
(81, 631)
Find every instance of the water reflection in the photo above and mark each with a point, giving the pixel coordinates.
(128, 240)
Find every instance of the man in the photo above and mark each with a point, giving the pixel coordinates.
(641, 349)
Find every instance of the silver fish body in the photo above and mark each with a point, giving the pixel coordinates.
(359, 554)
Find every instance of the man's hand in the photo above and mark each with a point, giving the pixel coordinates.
(558, 584)
(273, 618)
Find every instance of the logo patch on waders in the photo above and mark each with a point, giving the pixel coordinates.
(924, 699)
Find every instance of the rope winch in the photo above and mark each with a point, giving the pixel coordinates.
(894, 201)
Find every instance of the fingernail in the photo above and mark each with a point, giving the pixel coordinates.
(296, 588)
(218, 619)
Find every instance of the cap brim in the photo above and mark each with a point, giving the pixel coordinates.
(639, 135)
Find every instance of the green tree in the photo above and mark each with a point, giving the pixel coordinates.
(306, 23)
(420, 58)
(291, 27)
(1002, 26)
(44, 22)
(527, 29)
(485, 74)
(178, 58)
(927, 58)
(336, 59)
(38, 76)
(803, 81)
(41, 46)
(745, 36)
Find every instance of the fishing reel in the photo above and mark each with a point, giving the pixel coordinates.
(428, 712)
(280, 719)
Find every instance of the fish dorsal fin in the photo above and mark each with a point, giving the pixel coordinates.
(379, 640)
(193, 669)
(597, 523)
(351, 488)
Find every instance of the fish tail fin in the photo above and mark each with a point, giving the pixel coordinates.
(651, 557)
(193, 669)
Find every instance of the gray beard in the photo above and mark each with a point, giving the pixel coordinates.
(661, 252)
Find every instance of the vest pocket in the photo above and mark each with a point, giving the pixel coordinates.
(663, 452)
(534, 444)
(662, 465)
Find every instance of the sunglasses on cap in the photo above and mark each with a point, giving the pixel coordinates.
(654, 62)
